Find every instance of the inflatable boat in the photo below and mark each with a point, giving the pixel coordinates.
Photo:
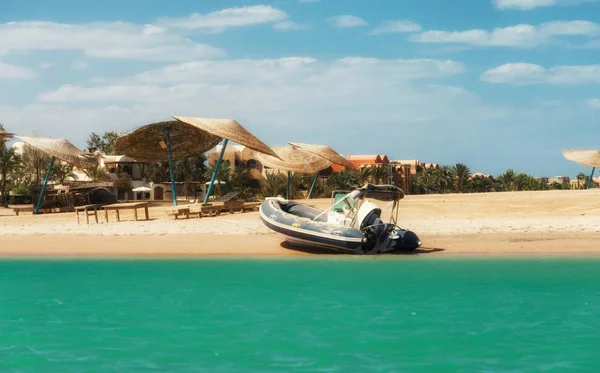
(352, 223)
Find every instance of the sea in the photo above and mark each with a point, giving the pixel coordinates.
(316, 314)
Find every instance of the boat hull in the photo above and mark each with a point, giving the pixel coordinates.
(303, 231)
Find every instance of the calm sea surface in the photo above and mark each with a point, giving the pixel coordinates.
(353, 314)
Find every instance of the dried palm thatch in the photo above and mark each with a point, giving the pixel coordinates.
(295, 160)
(61, 149)
(590, 158)
(5, 136)
(148, 143)
(326, 152)
(231, 130)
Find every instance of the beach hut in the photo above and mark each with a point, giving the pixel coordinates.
(323, 151)
(294, 159)
(183, 138)
(589, 158)
(62, 150)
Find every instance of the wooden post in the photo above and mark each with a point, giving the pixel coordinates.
(591, 178)
(171, 171)
(37, 208)
(214, 175)
(312, 187)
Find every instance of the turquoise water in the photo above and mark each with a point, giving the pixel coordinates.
(300, 315)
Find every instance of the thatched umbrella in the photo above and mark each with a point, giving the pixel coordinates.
(293, 159)
(589, 158)
(326, 152)
(166, 141)
(227, 129)
(60, 149)
(184, 138)
(5, 136)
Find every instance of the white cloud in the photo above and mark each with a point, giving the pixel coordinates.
(46, 65)
(80, 65)
(532, 4)
(14, 72)
(288, 26)
(527, 74)
(522, 36)
(119, 40)
(345, 21)
(308, 1)
(594, 103)
(226, 18)
(389, 27)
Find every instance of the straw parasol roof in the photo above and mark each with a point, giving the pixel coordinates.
(295, 160)
(325, 152)
(590, 158)
(4, 136)
(61, 149)
(231, 130)
(148, 143)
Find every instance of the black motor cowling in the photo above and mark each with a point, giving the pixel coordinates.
(406, 241)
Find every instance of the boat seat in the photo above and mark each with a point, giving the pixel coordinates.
(303, 211)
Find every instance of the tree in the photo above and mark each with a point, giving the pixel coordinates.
(274, 184)
(581, 180)
(507, 180)
(379, 174)
(61, 171)
(105, 143)
(462, 173)
(9, 163)
(95, 173)
(362, 175)
(342, 180)
(35, 163)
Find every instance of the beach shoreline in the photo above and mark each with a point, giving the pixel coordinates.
(551, 223)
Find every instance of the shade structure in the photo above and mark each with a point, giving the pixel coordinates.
(148, 143)
(141, 189)
(228, 129)
(590, 158)
(61, 149)
(4, 136)
(294, 159)
(326, 152)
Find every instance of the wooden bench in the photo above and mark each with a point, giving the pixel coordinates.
(179, 211)
(18, 210)
(126, 206)
(252, 206)
(87, 211)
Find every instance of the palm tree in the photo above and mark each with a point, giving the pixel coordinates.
(35, 162)
(379, 174)
(342, 180)
(507, 180)
(95, 173)
(9, 163)
(61, 171)
(581, 180)
(362, 175)
(274, 184)
(462, 173)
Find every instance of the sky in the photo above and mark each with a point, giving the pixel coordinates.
(494, 84)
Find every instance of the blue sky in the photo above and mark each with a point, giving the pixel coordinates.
(495, 84)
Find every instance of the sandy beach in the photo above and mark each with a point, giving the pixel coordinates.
(513, 223)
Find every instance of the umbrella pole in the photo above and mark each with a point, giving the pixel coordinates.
(39, 204)
(312, 187)
(171, 171)
(591, 178)
(289, 181)
(214, 175)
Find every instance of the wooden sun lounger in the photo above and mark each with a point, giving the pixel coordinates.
(126, 206)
